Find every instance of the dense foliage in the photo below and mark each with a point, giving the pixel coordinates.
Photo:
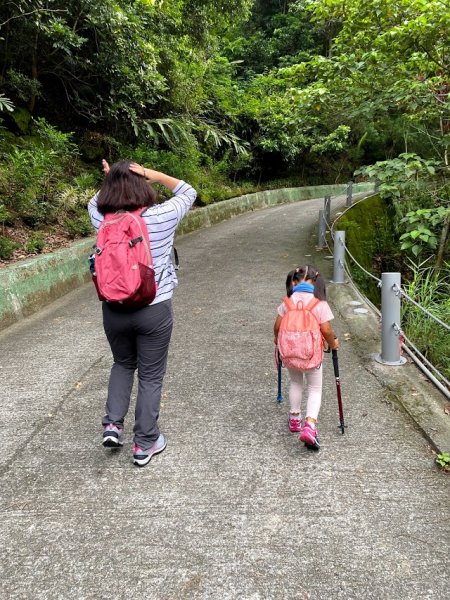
(230, 95)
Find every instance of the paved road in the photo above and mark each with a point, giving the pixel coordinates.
(235, 508)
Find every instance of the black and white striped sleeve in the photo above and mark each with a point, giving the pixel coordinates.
(182, 200)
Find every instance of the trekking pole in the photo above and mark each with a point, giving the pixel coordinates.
(338, 389)
(278, 364)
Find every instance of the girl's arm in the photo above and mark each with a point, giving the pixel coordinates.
(276, 327)
(328, 334)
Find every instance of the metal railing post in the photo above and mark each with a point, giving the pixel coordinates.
(390, 321)
(339, 257)
(349, 193)
(322, 230)
(327, 209)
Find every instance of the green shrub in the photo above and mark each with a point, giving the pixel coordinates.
(70, 198)
(86, 180)
(33, 170)
(35, 244)
(5, 215)
(79, 226)
(7, 247)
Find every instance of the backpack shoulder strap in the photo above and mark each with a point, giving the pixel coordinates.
(289, 304)
(313, 303)
(311, 306)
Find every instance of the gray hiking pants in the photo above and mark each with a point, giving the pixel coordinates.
(139, 340)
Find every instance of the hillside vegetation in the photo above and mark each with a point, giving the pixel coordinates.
(232, 96)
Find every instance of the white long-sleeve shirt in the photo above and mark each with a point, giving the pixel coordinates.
(162, 221)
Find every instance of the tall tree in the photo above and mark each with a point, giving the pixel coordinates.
(111, 64)
(392, 57)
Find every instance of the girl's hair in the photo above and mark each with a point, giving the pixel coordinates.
(124, 190)
(305, 273)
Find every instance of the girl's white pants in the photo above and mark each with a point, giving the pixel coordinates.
(313, 379)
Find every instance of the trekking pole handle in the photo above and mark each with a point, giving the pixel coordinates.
(329, 349)
(335, 362)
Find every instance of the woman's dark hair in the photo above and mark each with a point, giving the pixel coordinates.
(305, 273)
(124, 190)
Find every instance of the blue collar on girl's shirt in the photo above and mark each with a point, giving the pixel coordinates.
(303, 287)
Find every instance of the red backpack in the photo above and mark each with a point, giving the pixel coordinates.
(299, 338)
(123, 271)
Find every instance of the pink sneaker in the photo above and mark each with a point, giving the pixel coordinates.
(295, 423)
(309, 436)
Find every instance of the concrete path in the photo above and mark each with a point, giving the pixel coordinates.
(235, 508)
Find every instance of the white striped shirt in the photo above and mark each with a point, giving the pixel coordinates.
(161, 220)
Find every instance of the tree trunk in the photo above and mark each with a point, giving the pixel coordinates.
(34, 76)
(443, 243)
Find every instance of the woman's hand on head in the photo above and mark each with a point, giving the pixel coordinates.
(105, 166)
(137, 168)
(154, 176)
(149, 174)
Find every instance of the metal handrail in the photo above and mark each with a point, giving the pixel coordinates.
(427, 312)
(426, 366)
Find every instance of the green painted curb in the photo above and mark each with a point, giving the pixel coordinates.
(29, 285)
(214, 213)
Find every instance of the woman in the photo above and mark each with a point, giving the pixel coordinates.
(139, 339)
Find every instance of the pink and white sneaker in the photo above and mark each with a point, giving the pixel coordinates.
(309, 436)
(295, 423)
(112, 436)
(142, 457)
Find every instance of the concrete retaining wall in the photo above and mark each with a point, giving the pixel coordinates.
(214, 213)
(29, 285)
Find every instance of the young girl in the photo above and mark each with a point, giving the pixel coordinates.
(303, 284)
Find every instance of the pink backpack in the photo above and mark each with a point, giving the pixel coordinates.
(299, 337)
(123, 272)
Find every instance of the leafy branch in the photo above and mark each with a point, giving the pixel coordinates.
(32, 12)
